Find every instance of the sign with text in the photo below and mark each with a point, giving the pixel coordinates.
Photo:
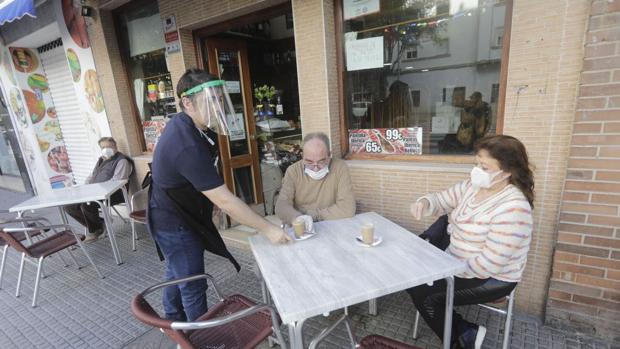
(358, 8)
(152, 132)
(406, 141)
(364, 53)
(172, 42)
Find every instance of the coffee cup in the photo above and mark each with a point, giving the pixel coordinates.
(299, 226)
(368, 233)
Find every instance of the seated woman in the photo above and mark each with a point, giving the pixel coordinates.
(489, 228)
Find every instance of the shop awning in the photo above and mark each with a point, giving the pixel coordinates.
(11, 10)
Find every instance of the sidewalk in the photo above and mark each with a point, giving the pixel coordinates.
(78, 310)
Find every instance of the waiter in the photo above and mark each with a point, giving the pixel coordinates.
(186, 185)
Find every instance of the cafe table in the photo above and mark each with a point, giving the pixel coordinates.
(97, 193)
(331, 270)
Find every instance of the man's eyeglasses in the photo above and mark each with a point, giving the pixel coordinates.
(319, 165)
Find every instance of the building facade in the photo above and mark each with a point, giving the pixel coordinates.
(549, 72)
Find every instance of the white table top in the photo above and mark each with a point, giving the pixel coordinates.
(330, 271)
(70, 195)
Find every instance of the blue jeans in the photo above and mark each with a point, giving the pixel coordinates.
(183, 251)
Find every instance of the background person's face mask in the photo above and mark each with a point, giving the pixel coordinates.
(107, 152)
(483, 179)
(317, 175)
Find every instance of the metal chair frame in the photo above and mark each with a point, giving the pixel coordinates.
(134, 198)
(198, 325)
(507, 324)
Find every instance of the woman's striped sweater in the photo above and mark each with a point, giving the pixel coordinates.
(493, 236)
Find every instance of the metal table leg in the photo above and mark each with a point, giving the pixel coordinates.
(447, 326)
(63, 216)
(108, 225)
(295, 333)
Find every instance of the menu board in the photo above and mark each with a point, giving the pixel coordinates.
(386, 141)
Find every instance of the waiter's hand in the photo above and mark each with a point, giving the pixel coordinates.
(277, 235)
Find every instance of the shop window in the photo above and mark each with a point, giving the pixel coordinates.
(420, 76)
(141, 42)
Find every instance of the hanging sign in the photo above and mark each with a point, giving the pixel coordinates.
(358, 8)
(172, 42)
(386, 141)
(236, 127)
(364, 53)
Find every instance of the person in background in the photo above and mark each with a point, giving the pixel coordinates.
(112, 165)
(317, 187)
(489, 227)
(185, 187)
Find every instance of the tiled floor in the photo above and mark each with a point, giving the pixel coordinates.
(79, 310)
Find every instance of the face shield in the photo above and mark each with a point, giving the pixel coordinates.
(213, 103)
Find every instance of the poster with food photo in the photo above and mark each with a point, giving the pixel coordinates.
(393, 141)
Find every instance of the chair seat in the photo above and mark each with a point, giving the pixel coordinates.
(247, 332)
(380, 342)
(139, 216)
(53, 244)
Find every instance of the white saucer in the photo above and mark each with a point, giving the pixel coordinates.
(376, 242)
(291, 233)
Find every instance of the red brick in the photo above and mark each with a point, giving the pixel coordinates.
(602, 242)
(614, 102)
(615, 296)
(575, 289)
(572, 218)
(604, 35)
(612, 127)
(579, 174)
(596, 302)
(604, 6)
(596, 139)
(599, 77)
(573, 307)
(600, 262)
(604, 220)
(615, 255)
(593, 186)
(598, 64)
(579, 269)
(598, 115)
(608, 176)
(572, 196)
(554, 294)
(585, 250)
(606, 20)
(590, 208)
(586, 229)
(606, 199)
(591, 103)
(587, 128)
(583, 151)
(598, 282)
(613, 274)
(609, 152)
(570, 238)
(602, 50)
(566, 276)
(616, 76)
(566, 257)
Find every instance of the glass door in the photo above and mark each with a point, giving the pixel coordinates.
(227, 59)
(13, 172)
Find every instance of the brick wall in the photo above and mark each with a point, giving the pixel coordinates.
(585, 286)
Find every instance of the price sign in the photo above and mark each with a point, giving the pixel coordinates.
(386, 141)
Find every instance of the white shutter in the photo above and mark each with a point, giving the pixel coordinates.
(72, 125)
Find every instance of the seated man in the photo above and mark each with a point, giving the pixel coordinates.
(317, 187)
(112, 165)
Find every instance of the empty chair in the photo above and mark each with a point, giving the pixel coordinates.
(139, 202)
(234, 322)
(38, 251)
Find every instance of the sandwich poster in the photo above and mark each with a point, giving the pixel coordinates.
(393, 141)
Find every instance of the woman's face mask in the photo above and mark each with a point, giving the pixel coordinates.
(317, 175)
(483, 179)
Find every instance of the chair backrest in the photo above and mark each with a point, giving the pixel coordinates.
(144, 312)
(139, 200)
(13, 242)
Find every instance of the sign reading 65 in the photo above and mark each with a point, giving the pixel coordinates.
(373, 147)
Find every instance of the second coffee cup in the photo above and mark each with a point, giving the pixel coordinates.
(299, 225)
(368, 233)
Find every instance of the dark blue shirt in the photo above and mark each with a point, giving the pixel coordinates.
(182, 156)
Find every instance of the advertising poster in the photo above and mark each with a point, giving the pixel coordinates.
(364, 54)
(393, 141)
(152, 132)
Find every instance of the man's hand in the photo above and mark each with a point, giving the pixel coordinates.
(308, 222)
(277, 235)
(419, 208)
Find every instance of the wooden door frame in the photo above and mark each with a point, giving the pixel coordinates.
(251, 159)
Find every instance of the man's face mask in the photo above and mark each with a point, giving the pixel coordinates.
(213, 104)
(107, 152)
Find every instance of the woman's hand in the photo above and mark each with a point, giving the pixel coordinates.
(277, 235)
(418, 208)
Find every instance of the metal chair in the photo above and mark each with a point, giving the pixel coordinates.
(368, 342)
(43, 248)
(234, 322)
(508, 312)
(139, 202)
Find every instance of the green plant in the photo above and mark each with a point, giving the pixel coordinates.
(264, 92)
